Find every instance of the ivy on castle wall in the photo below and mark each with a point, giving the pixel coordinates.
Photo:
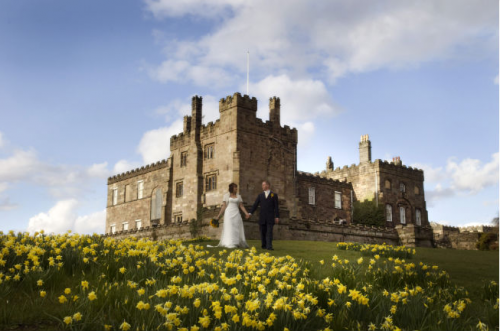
(366, 212)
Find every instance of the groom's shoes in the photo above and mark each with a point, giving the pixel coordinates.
(270, 249)
(263, 247)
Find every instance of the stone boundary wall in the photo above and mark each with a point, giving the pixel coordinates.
(286, 230)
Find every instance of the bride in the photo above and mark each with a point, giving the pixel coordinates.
(233, 233)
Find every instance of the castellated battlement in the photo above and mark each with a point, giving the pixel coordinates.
(179, 140)
(353, 169)
(317, 178)
(440, 228)
(237, 100)
(210, 128)
(165, 163)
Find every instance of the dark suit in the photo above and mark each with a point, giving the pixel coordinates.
(269, 210)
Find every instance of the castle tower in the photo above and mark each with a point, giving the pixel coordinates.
(196, 110)
(365, 149)
(194, 181)
(274, 111)
(329, 164)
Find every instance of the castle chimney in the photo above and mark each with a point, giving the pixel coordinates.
(274, 110)
(329, 164)
(365, 149)
(196, 109)
(397, 160)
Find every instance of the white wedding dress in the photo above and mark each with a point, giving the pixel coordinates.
(233, 232)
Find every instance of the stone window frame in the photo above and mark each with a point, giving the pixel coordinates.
(177, 218)
(402, 215)
(180, 184)
(112, 228)
(124, 225)
(154, 204)
(402, 187)
(209, 151)
(183, 161)
(140, 189)
(416, 190)
(213, 183)
(138, 222)
(418, 217)
(114, 196)
(312, 195)
(388, 187)
(128, 193)
(388, 212)
(340, 200)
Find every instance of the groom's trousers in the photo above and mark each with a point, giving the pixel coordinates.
(266, 235)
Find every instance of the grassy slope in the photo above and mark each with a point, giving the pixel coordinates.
(466, 268)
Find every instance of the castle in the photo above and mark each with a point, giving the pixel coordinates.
(241, 148)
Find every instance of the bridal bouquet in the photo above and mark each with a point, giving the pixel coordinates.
(214, 222)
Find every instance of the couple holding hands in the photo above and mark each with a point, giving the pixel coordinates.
(233, 233)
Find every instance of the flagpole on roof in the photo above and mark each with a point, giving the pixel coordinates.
(248, 70)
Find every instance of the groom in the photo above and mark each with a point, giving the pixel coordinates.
(269, 214)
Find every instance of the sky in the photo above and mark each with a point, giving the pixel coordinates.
(89, 89)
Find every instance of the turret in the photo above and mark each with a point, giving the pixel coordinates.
(196, 114)
(274, 110)
(329, 164)
(187, 124)
(365, 149)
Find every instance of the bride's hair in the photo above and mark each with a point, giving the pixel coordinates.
(232, 186)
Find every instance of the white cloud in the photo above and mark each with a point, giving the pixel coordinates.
(301, 99)
(124, 166)
(63, 217)
(61, 181)
(331, 37)
(93, 223)
(58, 219)
(431, 174)
(495, 80)
(155, 144)
(98, 170)
(469, 176)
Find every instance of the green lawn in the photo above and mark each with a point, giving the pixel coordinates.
(466, 268)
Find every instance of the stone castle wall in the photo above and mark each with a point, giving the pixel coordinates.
(129, 208)
(323, 208)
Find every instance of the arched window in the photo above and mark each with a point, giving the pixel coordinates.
(418, 217)
(156, 202)
(388, 213)
(402, 187)
(388, 184)
(416, 190)
(402, 215)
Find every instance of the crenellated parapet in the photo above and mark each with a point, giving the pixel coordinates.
(165, 163)
(210, 128)
(237, 100)
(317, 178)
(379, 165)
(179, 140)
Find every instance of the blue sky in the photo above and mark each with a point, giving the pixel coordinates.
(92, 88)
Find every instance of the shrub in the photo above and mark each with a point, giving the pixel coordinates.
(487, 241)
(367, 212)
